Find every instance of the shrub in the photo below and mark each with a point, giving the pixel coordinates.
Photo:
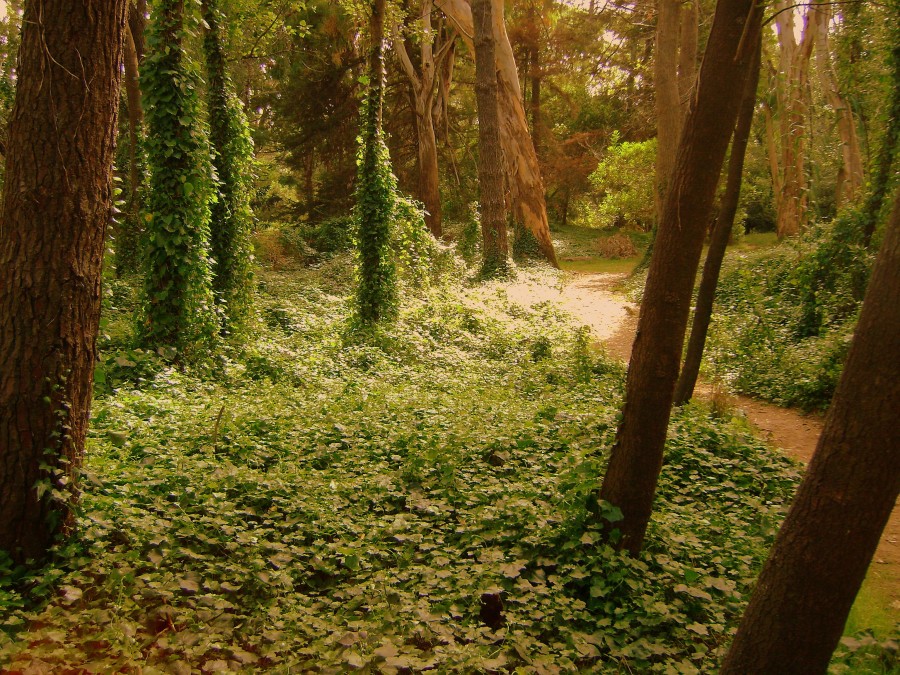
(624, 182)
(618, 245)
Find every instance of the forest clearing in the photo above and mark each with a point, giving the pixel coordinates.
(481, 336)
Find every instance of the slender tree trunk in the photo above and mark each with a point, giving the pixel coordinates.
(630, 480)
(135, 118)
(850, 154)
(490, 168)
(668, 109)
(423, 95)
(536, 77)
(520, 159)
(57, 200)
(807, 586)
(791, 88)
(687, 54)
(719, 241)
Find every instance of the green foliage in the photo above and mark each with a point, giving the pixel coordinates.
(325, 504)
(376, 204)
(231, 217)
(179, 308)
(785, 316)
(624, 181)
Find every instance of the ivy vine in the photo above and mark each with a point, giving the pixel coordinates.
(232, 157)
(179, 310)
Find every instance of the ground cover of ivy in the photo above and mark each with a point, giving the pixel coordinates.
(405, 501)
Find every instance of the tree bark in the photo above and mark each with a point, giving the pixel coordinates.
(846, 124)
(687, 54)
(668, 108)
(791, 93)
(490, 167)
(135, 116)
(797, 613)
(520, 159)
(706, 294)
(57, 200)
(631, 477)
(423, 85)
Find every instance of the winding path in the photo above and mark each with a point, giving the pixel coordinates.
(591, 299)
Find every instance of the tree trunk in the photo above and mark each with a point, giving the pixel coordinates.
(423, 94)
(57, 200)
(521, 163)
(687, 54)
(630, 480)
(719, 241)
(668, 110)
(490, 167)
(536, 76)
(846, 124)
(807, 586)
(792, 97)
(135, 118)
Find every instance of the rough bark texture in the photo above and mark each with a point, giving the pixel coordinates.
(665, 84)
(56, 204)
(719, 241)
(521, 162)
(787, 148)
(630, 480)
(851, 156)
(797, 613)
(490, 166)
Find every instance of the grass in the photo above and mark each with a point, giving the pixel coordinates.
(600, 265)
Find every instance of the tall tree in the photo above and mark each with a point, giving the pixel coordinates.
(668, 108)
(851, 172)
(797, 613)
(787, 144)
(490, 170)
(721, 233)
(232, 153)
(57, 200)
(435, 47)
(520, 159)
(179, 306)
(375, 191)
(633, 471)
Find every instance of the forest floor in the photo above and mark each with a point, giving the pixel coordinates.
(593, 299)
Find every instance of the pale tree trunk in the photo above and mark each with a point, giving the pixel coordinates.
(521, 162)
(442, 99)
(57, 200)
(668, 107)
(791, 94)
(634, 466)
(850, 154)
(490, 158)
(423, 87)
(807, 586)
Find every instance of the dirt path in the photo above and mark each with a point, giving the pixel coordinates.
(591, 298)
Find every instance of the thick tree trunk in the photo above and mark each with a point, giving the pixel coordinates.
(719, 241)
(797, 613)
(630, 480)
(429, 177)
(846, 124)
(490, 161)
(521, 163)
(57, 200)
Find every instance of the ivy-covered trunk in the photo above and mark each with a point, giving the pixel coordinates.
(376, 296)
(57, 201)
(232, 147)
(179, 309)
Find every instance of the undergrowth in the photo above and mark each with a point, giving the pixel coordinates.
(412, 499)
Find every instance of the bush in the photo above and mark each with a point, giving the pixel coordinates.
(623, 182)
(618, 245)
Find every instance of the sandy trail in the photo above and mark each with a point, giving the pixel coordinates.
(590, 298)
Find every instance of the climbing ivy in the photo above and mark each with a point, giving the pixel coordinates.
(232, 157)
(376, 198)
(178, 308)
